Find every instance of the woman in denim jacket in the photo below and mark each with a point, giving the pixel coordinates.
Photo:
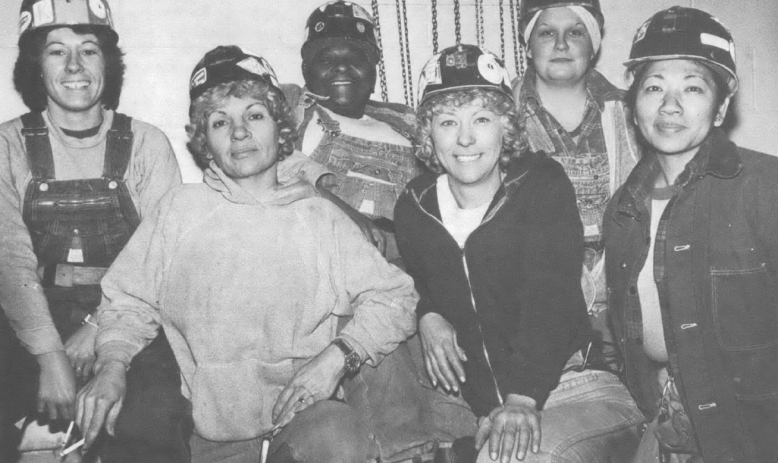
(692, 254)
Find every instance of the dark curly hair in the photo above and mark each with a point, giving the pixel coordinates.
(498, 103)
(270, 96)
(28, 77)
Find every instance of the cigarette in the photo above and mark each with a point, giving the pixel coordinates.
(67, 435)
(71, 448)
(265, 448)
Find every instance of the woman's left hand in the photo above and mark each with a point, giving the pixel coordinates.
(80, 349)
(315, 381)
(516, 424)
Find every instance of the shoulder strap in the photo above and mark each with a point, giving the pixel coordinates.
(118, 147)
(38, 146)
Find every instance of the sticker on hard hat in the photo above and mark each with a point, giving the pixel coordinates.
(199, 78)
(360, 13)
(714, 41)
(489, 68)
(24, 21)
(361, 28)
(259, 67)
(98, 8)
(43, 13)
(430, 75)
(319, 26)
(641, 32)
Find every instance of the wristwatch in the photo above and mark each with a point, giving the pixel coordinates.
(353, 361)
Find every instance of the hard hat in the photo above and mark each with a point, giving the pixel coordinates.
(340, 20)
(530, 7)
(37, 14)
(461, 67)
(226, 64)
(684, 33)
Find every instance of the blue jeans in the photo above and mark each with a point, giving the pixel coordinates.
(589, 418)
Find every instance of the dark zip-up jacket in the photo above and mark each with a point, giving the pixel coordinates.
(518, 309)
(716, 268)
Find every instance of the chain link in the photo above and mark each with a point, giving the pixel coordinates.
(457, 23)
(502, 31)
(381, 65)
(434, 27)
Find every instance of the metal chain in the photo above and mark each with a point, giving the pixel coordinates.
(517, 43)
(502, 31)
(514, 13)
(381, 65)
(402, 18)
(457, 23)
(434, 27)
(479, 12)
(408, 58)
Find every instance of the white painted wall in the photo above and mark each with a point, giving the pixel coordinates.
(164, 39)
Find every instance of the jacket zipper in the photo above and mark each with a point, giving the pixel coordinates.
(470, 287)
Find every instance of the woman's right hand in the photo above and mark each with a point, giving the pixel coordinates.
(442, 355)
(100, 401)
(57, 390)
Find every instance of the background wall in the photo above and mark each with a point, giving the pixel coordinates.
(164, 39)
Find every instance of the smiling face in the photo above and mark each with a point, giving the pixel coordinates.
(468, 141)
(243, 139)
(73, 70)
(343, 73)
(560, 46)
(676, 106)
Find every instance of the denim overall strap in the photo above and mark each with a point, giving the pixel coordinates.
(36, 140)
(119, 145)
(330, 126)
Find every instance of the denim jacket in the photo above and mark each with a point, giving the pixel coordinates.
(716, 268)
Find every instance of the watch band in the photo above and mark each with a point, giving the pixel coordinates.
(353, 361)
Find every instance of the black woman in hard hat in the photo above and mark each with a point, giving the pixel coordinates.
(493, 242)
(692, 254)
(574, 114)
(76, 178)
(251, 290)
(365, 143)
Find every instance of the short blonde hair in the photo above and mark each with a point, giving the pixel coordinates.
(496, 102)
(214, 97)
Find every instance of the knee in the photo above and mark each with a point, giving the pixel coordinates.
(328, 431)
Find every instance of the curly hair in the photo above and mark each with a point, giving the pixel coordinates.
(496, 102)
(205, 104)
(28, 73)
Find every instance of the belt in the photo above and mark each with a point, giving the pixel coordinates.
(66, 275)
(594, 358)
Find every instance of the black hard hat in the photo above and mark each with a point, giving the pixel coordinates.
(684, 33)
(336, 21)
(461, 67)
(530, 7)
(50, 14)
(226, 64)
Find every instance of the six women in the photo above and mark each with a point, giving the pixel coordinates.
(539, 227)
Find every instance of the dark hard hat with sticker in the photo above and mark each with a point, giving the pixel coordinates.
(340, 21)
(227, 64)
(684, 33)
(530, 7)
(462, 67)
(50, 14)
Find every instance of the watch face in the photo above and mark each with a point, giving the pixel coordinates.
(352, 362)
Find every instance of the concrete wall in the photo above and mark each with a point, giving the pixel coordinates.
(164, 39)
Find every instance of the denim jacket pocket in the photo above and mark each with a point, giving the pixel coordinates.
(746, 318)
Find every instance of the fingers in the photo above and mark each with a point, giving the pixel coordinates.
(290, 404)
(495, 435)
(434, 362)
(484, 427)
(510, 441)
(430, 371)
(113, 414)
(523, 443)
(94, 422)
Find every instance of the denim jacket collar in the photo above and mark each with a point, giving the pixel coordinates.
(717, 156)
